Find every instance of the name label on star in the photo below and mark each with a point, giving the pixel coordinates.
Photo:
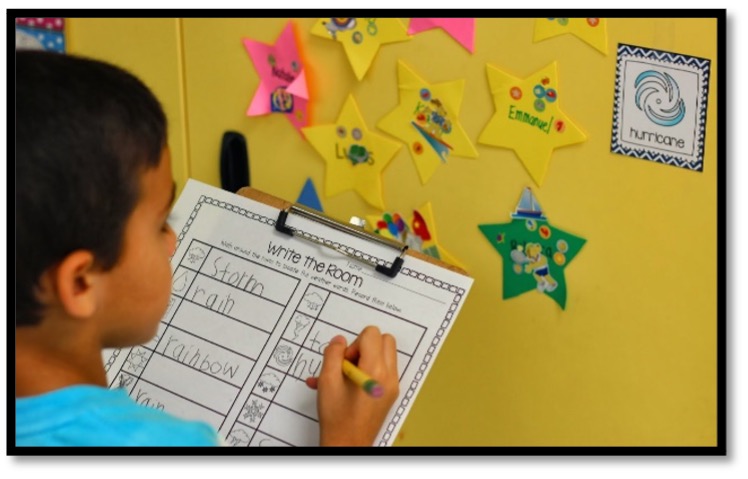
(282, 74)
(357, 154)
(530, 119)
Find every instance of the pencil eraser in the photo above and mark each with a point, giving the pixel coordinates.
(376, 391)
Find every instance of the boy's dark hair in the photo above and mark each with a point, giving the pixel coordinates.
(85, 133)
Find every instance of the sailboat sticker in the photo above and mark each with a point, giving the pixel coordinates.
(528, 207)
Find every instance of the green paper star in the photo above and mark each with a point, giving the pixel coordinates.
(534, 252)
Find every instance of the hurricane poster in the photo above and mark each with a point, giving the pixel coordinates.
(660, 106)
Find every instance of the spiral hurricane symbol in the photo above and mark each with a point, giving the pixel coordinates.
(658, 96)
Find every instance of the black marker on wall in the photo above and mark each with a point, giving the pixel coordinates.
(234, 162)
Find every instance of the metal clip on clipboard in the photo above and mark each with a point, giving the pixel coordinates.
(310, 214)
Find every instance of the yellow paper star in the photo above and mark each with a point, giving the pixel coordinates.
(355, 156)
(427, 121)
(418, 232)
(361, 37)
(528, 118)
(593, 31)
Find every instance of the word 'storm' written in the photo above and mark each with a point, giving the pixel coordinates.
(224, 273)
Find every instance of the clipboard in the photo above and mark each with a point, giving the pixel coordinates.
(253, 306)
(390, 269)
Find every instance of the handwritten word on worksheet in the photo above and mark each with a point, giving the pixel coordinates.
(252, 311)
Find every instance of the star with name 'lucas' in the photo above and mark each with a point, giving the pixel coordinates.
(355, 156)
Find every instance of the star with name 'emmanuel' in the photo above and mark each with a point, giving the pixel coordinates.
(528, 118)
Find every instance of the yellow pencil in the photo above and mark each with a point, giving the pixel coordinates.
(362, 379)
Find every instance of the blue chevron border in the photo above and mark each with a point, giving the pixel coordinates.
(702, 65)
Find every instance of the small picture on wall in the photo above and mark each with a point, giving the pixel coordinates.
(41, 34)
(660, 106)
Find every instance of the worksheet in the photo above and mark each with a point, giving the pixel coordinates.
(252, 310)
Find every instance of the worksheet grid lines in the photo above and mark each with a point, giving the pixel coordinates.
(272, 402)
(168, 323)
(270, 333)
(458, 293)
(241, 258)
(303, 345)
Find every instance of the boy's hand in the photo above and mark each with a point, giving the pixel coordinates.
(348, 416)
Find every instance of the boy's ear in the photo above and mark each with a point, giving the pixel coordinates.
(72, 284)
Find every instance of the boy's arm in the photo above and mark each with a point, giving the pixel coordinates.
(348, 416)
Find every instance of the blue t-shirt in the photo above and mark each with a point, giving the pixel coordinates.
(97, 416)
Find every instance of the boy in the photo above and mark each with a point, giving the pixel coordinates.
(93, 192)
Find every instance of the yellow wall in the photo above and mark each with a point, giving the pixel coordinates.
(150, 48)
(633, 358)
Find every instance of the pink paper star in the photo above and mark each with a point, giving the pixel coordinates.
(283, 87)
(461, 29)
